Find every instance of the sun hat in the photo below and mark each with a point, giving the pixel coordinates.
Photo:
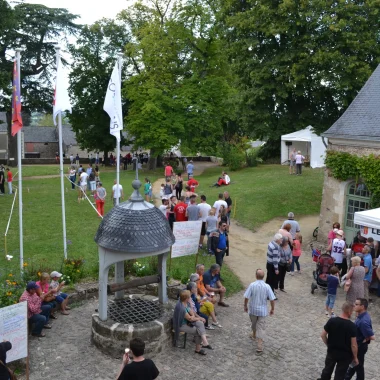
(335, 230)
(31, 285)
(55, 274)
(340, 232)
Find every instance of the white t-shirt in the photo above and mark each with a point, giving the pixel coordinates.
(217, 205)
(83, 178)
(337, 250)
(163, 209)
(117, 191)
(204, 209)
(299, 158)
(227, 179)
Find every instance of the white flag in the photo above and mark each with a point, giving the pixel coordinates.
(112, 103)
(61, 96)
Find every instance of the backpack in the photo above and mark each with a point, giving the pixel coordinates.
(91, 177)
(167, 189)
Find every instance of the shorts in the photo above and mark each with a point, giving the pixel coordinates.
(203, 230)
(92, 185)
(330, 300)
(258, 325)
(61, 297)
(84, 188)
(292, 163)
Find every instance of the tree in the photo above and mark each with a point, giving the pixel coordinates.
(180, 83)
(35, 28)
(94, 56)
(300, 62)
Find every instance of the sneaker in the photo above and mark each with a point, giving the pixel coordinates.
(292, 273)
(326, 312)
(299, 272)
(217, 324)
(333, 315)
(209, 327)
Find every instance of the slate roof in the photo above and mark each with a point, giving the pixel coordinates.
(68, 135)
(39, 134)
(361, 120)
(135, 226)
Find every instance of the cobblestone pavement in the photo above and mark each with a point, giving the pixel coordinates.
(293, 349)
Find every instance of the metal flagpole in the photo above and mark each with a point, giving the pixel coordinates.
(118, 140)
(19, 163)
(57, 49)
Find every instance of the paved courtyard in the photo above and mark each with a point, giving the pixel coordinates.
(293, 349)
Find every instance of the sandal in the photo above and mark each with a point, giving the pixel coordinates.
(259, 351)
(65, 312)
(208, 347)
(201, 352)
(42, 335)
(47, 326)
(68, 308)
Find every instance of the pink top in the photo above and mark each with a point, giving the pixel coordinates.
(44, 287)
(296, 248)
(331, 236)
(33, 301)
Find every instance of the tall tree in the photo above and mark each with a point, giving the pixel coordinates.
(299, 62)
(35, 28)
(94, 56)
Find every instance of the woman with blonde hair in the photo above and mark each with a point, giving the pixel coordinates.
(356, 275)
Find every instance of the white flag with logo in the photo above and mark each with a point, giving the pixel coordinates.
(112, 103)
(61, 96)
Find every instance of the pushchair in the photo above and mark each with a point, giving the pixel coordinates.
(324, 264)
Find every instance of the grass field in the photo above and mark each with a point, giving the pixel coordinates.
(260, 193)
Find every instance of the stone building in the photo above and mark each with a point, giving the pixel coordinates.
(356, 132)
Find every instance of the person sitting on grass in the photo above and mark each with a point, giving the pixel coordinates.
(47, 295)
(61, 298)
(203, 305)
(38, 314)
(223, 180)
(139, 368)
(211, 280)
(185, 321)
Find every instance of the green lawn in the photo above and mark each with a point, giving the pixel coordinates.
(260, 193)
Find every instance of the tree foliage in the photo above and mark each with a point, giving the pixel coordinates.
(94, 56)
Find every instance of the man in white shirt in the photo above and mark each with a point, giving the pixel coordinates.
(117, 192)
(218, 203)
(257, 294)
(204, 209)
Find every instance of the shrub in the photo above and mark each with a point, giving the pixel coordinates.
(73, 269)
(252, 157)
(235, 159)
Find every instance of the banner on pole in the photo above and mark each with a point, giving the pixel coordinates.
(61, 100)
(186, 238)
(16, 102)
(14, 328)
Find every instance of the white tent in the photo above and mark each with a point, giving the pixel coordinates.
(369, 222)
(310, 145)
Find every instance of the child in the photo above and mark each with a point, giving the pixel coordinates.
(332, 286)
(162, 190)
(296, 253)
(61, 298)
(147, 189)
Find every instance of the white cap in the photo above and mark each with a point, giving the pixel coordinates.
(340, 232)
(55, 274)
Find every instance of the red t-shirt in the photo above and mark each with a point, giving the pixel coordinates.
(9, 176)
(180, 212)
(192, 183)
(168, 171)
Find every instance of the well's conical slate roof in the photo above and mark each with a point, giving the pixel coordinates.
(135, 226)
(361, 120)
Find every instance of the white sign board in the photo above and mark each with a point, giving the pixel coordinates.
(14, 328)
(370, 232)
(186, 238)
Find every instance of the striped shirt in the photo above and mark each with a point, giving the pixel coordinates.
(273, 256)
(258, 293)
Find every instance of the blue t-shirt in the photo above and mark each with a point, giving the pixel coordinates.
(190, 168)
(332, 284)
(222, 241)
(209, 279)
(368, 263)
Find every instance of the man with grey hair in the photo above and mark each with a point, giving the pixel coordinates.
(295, 227)
(212, 283)
(273, 258)
(257, 294)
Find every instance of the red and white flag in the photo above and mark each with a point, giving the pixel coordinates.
(61, 101)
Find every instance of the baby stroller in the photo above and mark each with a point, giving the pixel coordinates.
(324, 264)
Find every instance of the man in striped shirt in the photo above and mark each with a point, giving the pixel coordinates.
(273, 258)
(257, 294)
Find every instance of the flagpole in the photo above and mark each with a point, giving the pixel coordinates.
(19, 163)
(57, 49)
(120, 63)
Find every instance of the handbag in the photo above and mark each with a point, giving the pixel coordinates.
(12, 376)
(287, 267)
(347, 285)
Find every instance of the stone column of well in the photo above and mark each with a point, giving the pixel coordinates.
(119, 278)
(103, 282)
(162, 286)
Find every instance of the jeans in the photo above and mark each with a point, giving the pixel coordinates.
(330, 300)
(72, 179)
(359, 369)
(295, 261)
(342, 361)
(219, 256)
(40, 320)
